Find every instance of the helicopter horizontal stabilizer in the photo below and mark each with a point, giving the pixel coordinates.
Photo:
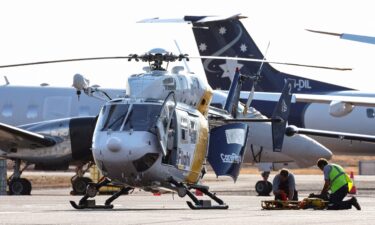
(227, 148)
(281, 113)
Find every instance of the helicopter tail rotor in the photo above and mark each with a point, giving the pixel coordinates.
(280, 116)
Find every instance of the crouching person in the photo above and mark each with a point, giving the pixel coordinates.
(284, 186)
(339, 183)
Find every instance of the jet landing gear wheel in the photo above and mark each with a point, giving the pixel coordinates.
(263, 188)
(79, 185)
(19, 186)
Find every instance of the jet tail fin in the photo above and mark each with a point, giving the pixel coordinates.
(281, 113)
(227, 36)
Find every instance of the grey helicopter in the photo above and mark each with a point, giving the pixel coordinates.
(162, 134)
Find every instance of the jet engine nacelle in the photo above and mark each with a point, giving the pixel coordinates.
(74, 138)
(81, 130)
(339, 109)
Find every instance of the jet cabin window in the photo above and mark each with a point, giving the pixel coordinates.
(140, 117)
(7, 110)
(32, 112)
(370, 113)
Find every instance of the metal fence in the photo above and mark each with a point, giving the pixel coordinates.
(366, 167)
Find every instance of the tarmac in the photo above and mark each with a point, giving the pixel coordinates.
(51, 206)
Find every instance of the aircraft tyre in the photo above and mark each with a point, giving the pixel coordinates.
(79, 185)
(19, 186)
(263, 188)
(181, 191)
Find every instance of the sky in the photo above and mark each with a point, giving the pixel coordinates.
(49, 30)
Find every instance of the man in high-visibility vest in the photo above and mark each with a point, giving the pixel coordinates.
(339, 183)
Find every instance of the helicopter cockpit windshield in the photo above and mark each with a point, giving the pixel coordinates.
(123, 117)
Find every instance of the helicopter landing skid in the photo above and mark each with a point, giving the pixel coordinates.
(90, 204)
(204, 204)
(91, 191)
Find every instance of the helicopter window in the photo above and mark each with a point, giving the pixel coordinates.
(193, 132)
(169, 84)
(184, 122)
(195, 83)
(183, 134)
(183, 82)
(217, 105)
(112, 116)
(142, 117)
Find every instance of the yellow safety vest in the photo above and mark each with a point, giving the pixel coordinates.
(339, 178)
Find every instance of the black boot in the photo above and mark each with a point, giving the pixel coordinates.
(355, 203)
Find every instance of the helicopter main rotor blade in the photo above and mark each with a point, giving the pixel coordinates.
(64, 60)
(273, 62)
(170, 58)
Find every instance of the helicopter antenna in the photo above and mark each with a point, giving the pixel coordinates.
(264, 58)
(6, 80)
(255, 79)
(184, 60)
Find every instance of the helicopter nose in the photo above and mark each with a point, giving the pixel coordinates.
(126, 146)
(305, 150)
(114, 144)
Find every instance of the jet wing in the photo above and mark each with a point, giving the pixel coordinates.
(291, 130)
(313, 98)
(13, 137)
(353, 100)
(350, 37)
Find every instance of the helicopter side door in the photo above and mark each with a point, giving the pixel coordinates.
(227, 148)
(164, 121)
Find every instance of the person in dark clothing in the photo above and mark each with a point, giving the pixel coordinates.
(284, 186)
(339, 183)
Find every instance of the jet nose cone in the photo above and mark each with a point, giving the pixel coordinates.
(315, 151)
(320, 151)
(305, 150)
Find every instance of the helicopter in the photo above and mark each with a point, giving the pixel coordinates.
(161, 135)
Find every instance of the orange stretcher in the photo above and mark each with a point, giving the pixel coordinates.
(306, 203)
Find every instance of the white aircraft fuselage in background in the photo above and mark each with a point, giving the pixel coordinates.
(359, 119)
(25, 105)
